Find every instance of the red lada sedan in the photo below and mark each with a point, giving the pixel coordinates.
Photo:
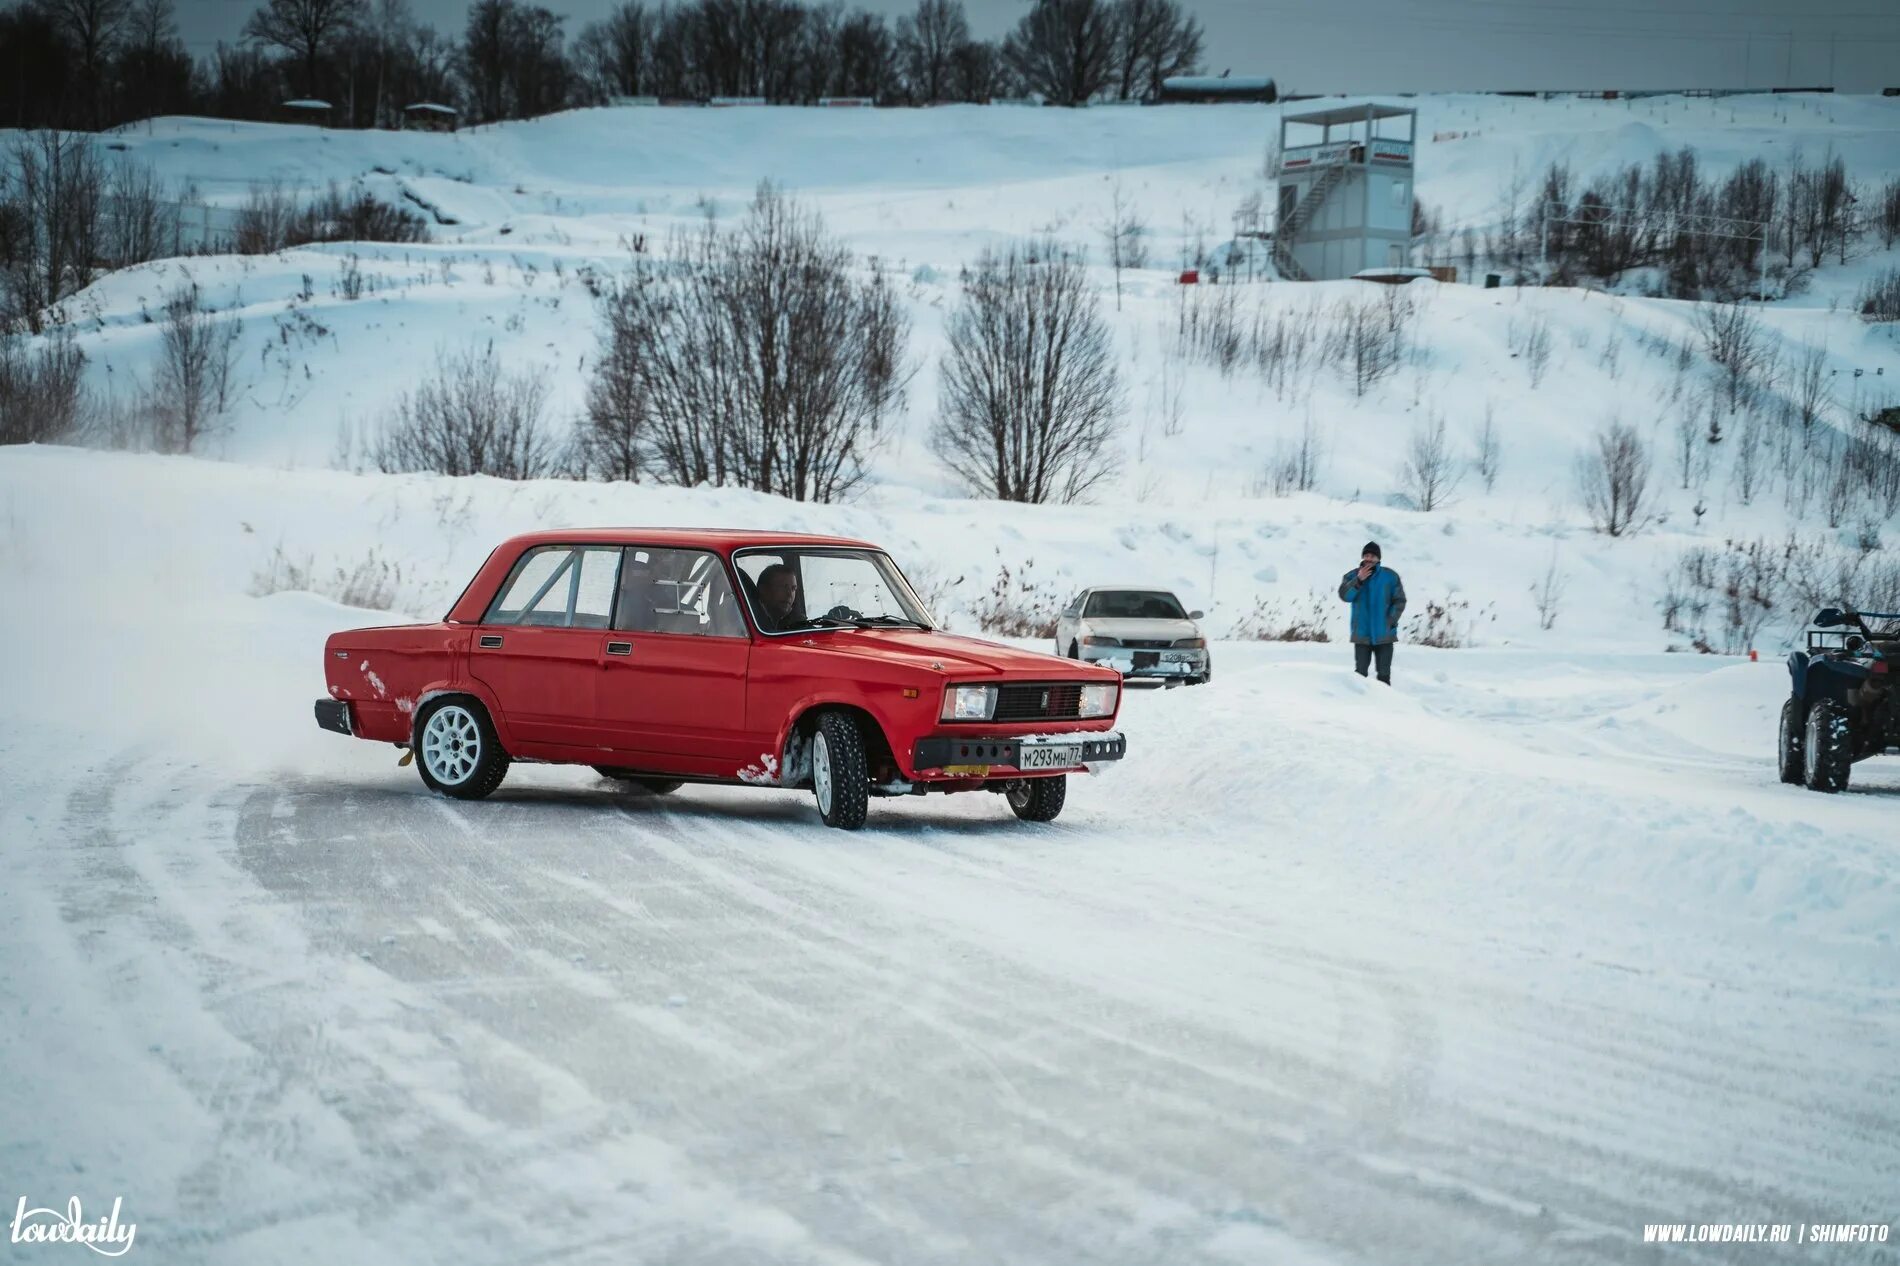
(663, 657)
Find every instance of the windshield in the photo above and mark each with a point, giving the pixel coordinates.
(1134, 604)
(793, 589)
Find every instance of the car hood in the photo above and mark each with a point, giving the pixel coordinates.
(951, 653)
(1151, 629)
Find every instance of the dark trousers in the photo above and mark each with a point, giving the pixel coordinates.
(1363, 655)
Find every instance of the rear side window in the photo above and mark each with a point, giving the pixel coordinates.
(677, 591)
(559, 586)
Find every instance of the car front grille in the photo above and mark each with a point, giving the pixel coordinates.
(1147, 644)
(1038, 701)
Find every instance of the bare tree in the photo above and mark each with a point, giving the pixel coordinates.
(1295, 465)
(1613, 476)
(1029, 397)
(58, 190)
(138, 221)
(1123, 231)
(95, 28)
(1748, 457)
(927, 44)
(1429, 476)
(304, 29)
(1532, 343)
(1548, 592)
(1809, 389)
(1365, 340)
(1490, 455)
(1064, 49)
(471, 418)
(755, 356)
(1154, 39)
(1733, 339)
(193, 384)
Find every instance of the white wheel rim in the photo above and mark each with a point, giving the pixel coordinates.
(451, 745)
(821, 773)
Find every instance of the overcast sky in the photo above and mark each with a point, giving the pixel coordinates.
(1441, 45)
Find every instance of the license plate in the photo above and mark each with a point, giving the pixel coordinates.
(1051, 756)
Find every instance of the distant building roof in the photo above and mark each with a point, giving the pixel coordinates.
(431, 107)
(306, 105)
(1351, 114)
(1217, 83)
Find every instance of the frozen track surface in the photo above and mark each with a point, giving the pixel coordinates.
(1495, 968)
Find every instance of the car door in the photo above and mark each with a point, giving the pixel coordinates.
(1068, 623)
(538, 648)
(671, 693)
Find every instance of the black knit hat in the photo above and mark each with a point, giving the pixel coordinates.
(1372, 548)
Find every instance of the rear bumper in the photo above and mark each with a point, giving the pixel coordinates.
(334, 714)
(959, 757)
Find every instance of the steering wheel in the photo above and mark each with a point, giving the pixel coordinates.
(842, 612)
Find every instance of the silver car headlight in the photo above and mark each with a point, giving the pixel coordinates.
(1099, 700)
(968, 703)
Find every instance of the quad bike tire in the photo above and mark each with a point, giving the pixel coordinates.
(1827, 750)
(1790, 740)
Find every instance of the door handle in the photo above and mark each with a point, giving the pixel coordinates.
(490, 641)
(620, 648)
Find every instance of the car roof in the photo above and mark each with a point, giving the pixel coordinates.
(724, 540)
(1130, 589)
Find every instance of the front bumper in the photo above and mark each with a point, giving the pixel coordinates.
(1131, 662)
(334, 714)
(959, 757)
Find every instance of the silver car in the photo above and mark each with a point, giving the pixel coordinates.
(1145, 634)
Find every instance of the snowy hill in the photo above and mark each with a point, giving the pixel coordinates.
(529, 218)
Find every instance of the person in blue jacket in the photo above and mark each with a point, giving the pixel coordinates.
(1378, 600)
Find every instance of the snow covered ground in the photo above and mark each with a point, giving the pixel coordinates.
(1497, 966)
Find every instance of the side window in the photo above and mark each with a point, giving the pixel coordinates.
(558, 586)
(677, 591)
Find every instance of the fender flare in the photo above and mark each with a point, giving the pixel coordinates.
(474, 690)
(804, 707)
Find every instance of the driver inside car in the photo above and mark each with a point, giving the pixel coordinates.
(778, 597)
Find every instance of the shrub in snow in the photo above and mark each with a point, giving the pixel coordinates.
(1286, 620)
(372, 582)
(42, 390)
(1613, 476)
(471, 418)
(1014, 606)
(1447, 625)
(1879, 298)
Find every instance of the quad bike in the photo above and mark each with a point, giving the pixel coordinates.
(1844, 705)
